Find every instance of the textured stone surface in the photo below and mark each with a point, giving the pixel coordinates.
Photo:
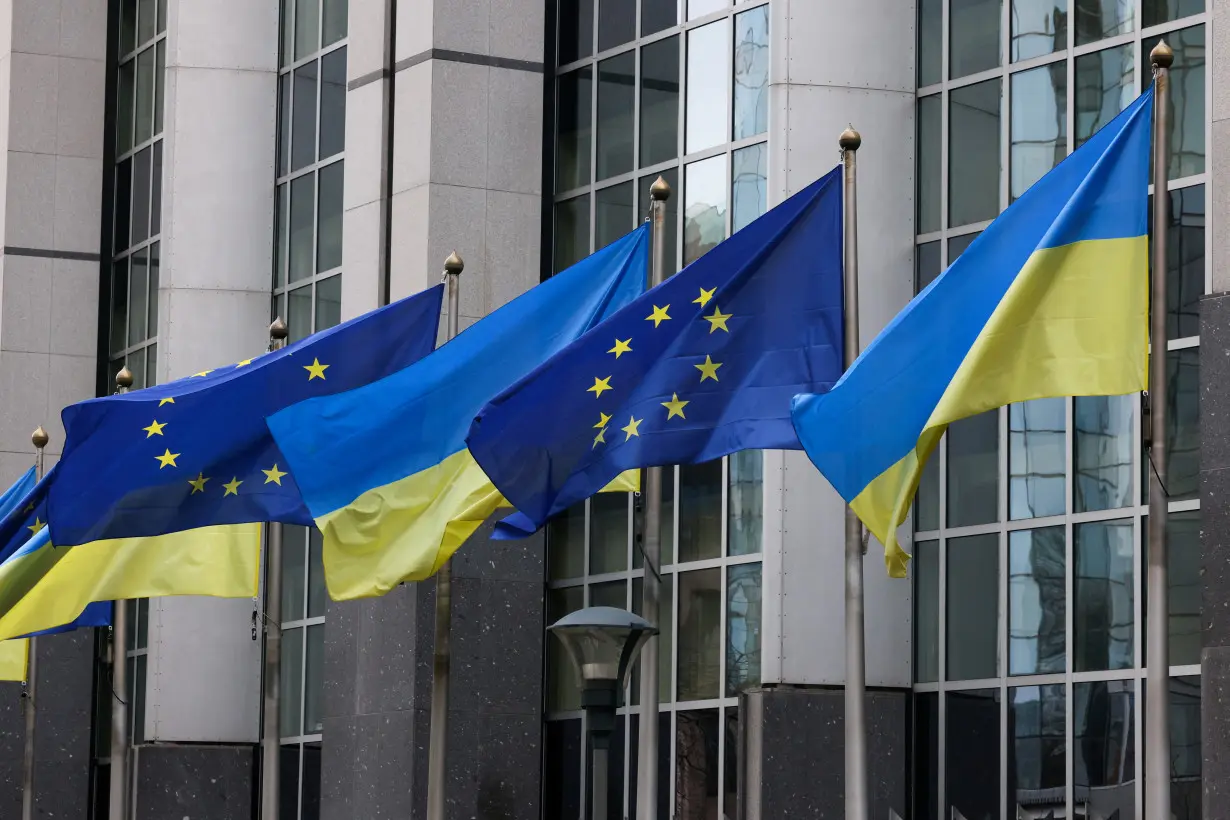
(1215, 730)
(196, 782)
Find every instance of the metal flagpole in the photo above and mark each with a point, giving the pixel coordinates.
(437, 754)
(271, 736)
(856, 672)
(647, 751)
(39, 438)
(118, 801)
(1157, 692)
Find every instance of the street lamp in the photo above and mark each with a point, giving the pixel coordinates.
(602, 642)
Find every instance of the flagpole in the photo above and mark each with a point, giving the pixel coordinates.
(437, 754)
(271, 735)
(39, 438)
(118, 800)
(1157, 641)
(651, 593)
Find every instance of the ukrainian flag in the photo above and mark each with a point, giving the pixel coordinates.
(1051, 300)
(384, 468)
(14, 654)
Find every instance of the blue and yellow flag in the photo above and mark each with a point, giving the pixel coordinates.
(14, 654)
(385, 469)
(703, 365)
(197, 453)
(1051, 300)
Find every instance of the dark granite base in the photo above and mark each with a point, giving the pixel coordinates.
(196, 782)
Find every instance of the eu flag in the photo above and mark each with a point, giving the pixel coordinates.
(197, 452)
(23, 512)
(701, 366)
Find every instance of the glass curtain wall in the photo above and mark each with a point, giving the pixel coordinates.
(677, 89)
(1031, 520)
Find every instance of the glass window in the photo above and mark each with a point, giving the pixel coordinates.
(565, 753)
(699, 8)
(657, 15)
(1183, 424)
(571, 232)
(1185, 749)
(1103, 596)
(315, 569)
(664, 765)
(328, 303)
(745, 489)
(335, 15)
(704, 224)
(329, 214)
(302, 223)
(1102, 452)
(1183, 561)
(972, 753)
(614, 215)
(749, 188)
(1037, 757)
(743, 618)
(926, 779)
(566, 544)
(671, 175)
(751, 72)
(973, 470)
(612, 593)
(700, 629)
(1039, 124)
(1187, 114)
(660, 101)
(155, 197)
(973, 153)
(1099, 19)
(926, 611)
(145, 96)
(290, 717)
(1037, 599)
(1156, 12)
(1039, 27)
(665, 639)
(926, 270)
(576, 30)
(284, 106)
(930, 41)
(154, 266)
(700, 511)
(119, 306)
(332, 103)
(608, 533)
(708, 104)
(616, 23)
(1037, 461)
(138, 293)
(616, 101)
(145, 20)
(1105, 85)
(973, 42)
(307, 27)
(303, 131)
(294, 573)
(299, 313)
(314, 676)
(1185, 260)
(574, 128)
(140, 196)
(563, 683)
(930, 112)
(125, 88)
(697, 777)
(309, 797)
(128, 26)
(1104, 745)
(973, 605)
(958, 244)
(160, 73)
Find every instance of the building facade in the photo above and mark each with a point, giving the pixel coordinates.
(178, 172)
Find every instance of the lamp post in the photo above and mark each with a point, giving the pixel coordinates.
(602, 642)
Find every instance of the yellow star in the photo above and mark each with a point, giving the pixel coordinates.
(316, 369)
(232, 488)
(274, 476)
(603, 418)
(202, 374)
(36, 526)
(599, 386)
(708, 370)
(659, 315)
(244, 363)
(675, 406)
(167, 459)
(705, 296)
(198, 483)
(718, 320)
(621, 347)
(600, 438)
(167, 400)
(30, 507)
(631, 429)
(155, 429)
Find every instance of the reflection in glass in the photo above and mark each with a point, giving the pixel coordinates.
(958, 244)
(700, 630)
(930, 42)
(566, 544)
(1185, 749)
(125, 81)
(290, 712)
(660, 101)
(299, 313)
(314, 678)
(1187, 79)
(926, 611)
(1038, 27)
(665, 639)
(707, 115)
(335, 19)
(328, 303)
(1037, 458)
(751, 72)
(302, 226)
(303, 128)
(1183, 561)
(699, 8)
(749, 188)
(329, 216)
(973, 470)
(294, 572)
(332, 103)
(616, 23)
(613, 214)
(731, 778)
(573, 134)
(745, 488)
(664, 766)
(743, 612)
(616, 101)
(316, 575)
(972, 751)
(138, 294)
(1102, 452)
(930, 110)
(562, 762)
(608, 533)
(973, 42)
(700, 511)
(697, 777)
(310, 795)
(926, 268)
(1037, 631)
(1105, 84)
(1099, 19)
(1183, 423)
(563, 683)
(576, 30)
(657, 15)
(307, 27)
(972, 609)
(1156, 12)
(1104, 747)
(571, 232)
(926, 780)
(1039, 123)
(1103, 596)
(671, 175)
(1037, 758)
(145, 96)
(973, 153)
(140, 195)
(612, 593)
(1184, 260)
(704, 209)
